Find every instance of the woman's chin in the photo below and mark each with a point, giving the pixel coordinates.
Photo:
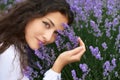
(35, 47)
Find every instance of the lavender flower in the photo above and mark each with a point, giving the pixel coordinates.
(108, 34)
(113, 62)
(111, 6)
(84, 69)
(95, 52)
(95, 27)
(39, 54)
(41, 57)
(109, 67)
(66, 39)
(98, 9)
(106, 68)
(28, 72)
(74, 75)
(115, 22)
(104, 45)
(39, 65)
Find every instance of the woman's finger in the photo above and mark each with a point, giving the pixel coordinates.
(81, 42)
(77, 56)
(76, 50)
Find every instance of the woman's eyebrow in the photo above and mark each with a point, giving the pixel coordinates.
(51, 22)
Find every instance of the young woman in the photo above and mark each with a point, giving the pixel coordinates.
(27, 24)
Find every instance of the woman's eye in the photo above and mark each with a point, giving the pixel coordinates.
(55, 32)
(47, 25)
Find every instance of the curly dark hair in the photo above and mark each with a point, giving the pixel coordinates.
(13, 23)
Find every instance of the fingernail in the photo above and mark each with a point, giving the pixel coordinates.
(79, 38)
(80, 48)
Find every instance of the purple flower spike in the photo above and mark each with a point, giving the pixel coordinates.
(109, 67)
(84, 67)
(74, 75)
(104, 45)
(95, 52)
(66, 39)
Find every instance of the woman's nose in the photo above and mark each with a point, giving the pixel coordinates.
(49, 36)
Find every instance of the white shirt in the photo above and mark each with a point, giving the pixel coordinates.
(10, 67)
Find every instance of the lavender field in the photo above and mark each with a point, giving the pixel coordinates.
(97, 22)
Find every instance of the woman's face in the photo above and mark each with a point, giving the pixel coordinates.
(43, 30)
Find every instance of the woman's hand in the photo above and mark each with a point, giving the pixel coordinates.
(69, 57)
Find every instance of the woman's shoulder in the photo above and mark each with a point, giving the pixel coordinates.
(9, 55)
(10, 68)
(9, 51)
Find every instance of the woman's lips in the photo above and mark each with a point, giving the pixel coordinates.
(40, 41)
